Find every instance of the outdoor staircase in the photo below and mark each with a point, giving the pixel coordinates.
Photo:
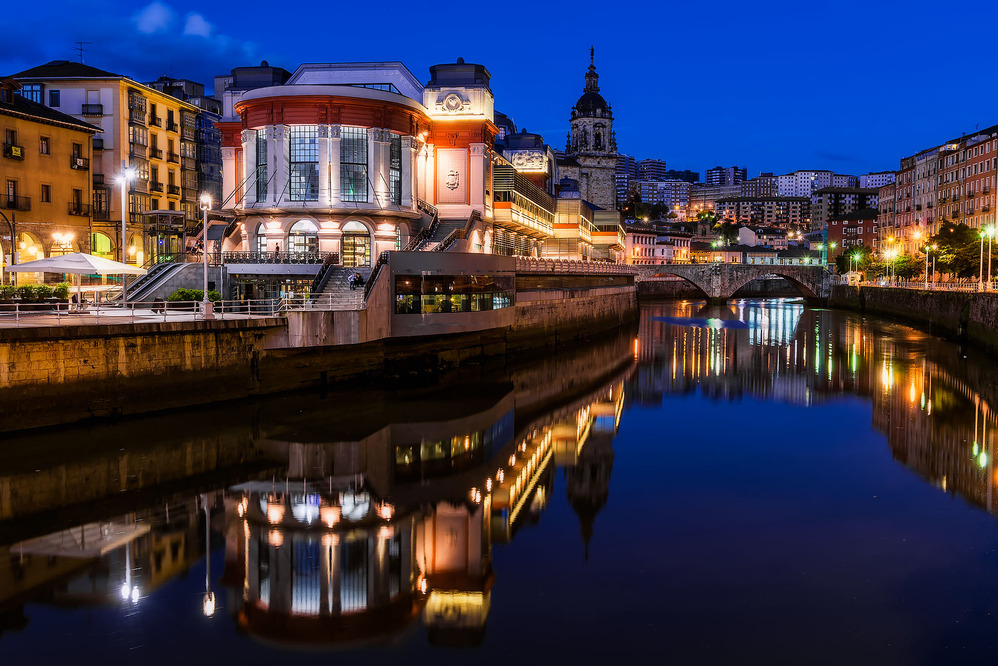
(444, 229)
(336, 295)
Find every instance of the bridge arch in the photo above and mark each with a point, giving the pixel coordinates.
(703, 286)
(805, 286)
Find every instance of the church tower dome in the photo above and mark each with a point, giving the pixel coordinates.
(592, 119)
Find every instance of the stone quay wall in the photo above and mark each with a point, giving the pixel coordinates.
(964, 316)
(53, 375)
(58, 375)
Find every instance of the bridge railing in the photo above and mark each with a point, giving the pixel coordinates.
(569, 266)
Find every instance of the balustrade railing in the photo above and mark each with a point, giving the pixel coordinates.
(279, 257)
(570, 266)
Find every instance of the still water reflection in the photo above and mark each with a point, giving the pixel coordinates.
(759, 482)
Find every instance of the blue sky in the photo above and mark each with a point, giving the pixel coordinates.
(848, 86)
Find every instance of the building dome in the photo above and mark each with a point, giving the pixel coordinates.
(592, 104)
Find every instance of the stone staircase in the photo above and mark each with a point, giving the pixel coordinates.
(441, 232)
(336, 295)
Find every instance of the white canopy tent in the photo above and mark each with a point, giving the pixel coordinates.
(77, 263)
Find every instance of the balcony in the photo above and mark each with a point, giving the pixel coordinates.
(172, 127)
(98, 144)
(79, 163)
(188, 134)
(190, 195)
(93, 109)
(970, 211)
(173, 158)
(155, 186)
(12, 151)
(77, 208)
(137, 117)
(173, 189)
(520, 205)
(970, 194)
(155, 122)
(956, 197)
(101, 215)
(156, 153)
(930, 205)
(188, 163)
(918, 206)
(98, 179)
(135, 150)
(985, 209)
(16, 203)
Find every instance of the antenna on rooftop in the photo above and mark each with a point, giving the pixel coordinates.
(79, 47)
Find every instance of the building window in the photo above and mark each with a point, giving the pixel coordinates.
(261, 165)
(46, 194)
(32, 91)
(395, 170)
(304, 160)
(303, 237)
(353, 164)
(54, 98)
(261, 238)
(43, 145)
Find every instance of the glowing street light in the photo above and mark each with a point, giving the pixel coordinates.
(126, 176)
(205, 205)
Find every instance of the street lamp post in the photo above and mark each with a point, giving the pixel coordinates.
(927, 266)
(205, 205)
(11, 224)
(990, 231)
(980, 274)
(127, 175)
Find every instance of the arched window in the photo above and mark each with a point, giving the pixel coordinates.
(101, 246)
(303, 237)
(356, 244)
(259, 239)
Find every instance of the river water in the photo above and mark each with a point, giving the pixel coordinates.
(755, 483)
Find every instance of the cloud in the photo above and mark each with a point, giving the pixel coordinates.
(155, 17)
(196, 25)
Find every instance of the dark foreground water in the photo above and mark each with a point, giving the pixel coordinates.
(760, 483)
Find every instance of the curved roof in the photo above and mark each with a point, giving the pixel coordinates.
(590, 103)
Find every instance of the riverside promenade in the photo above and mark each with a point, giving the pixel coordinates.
(959, 314)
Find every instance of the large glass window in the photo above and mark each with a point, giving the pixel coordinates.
(303, 237)
(261, 165)
(452, 293)
(395, 170)
(304, 163)
(32, 91)
(260, 239)
(353, 164)
(356, 245)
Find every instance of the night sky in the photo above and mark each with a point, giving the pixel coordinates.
(847, 86)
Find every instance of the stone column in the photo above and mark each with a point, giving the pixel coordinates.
(228, 175)
(334, 166)
(375, 164)
(408, 177)
(476, 177)
(278, 146)
(323, 152)
(248, 138)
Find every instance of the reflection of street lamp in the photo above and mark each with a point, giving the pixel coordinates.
(127, 175)
(208, 601)
(205, 205)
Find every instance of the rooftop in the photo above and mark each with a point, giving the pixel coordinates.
(24, 108)
(66, 69)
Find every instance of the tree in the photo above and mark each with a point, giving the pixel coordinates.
(728, 231)
(859, 258)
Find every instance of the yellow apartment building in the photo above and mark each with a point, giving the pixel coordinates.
(45, 175)
(150, 132)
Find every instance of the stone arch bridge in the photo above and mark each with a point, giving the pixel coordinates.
(720, 281)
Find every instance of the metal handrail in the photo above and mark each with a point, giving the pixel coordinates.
(375, 272)
(82, 314)
(571, 266)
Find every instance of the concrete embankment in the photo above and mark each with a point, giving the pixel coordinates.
(58, 375)
(964, 316)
